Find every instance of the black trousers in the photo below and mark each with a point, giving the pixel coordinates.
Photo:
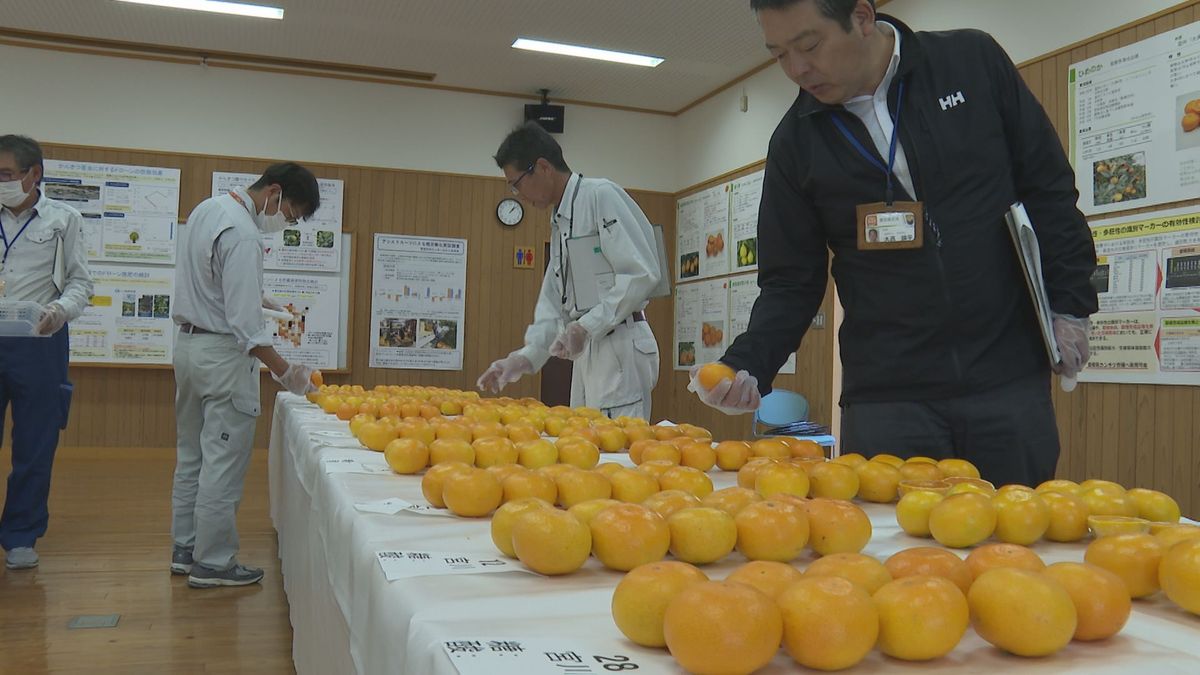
(1008, 432)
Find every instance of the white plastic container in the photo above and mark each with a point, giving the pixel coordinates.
(18, 318)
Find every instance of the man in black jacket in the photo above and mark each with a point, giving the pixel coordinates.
(925, 139)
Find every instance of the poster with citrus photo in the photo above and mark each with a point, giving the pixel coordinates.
(418, 302)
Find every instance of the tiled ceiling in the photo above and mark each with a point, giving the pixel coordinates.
(466, 43)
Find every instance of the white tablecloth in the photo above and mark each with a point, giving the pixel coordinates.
(348, 618)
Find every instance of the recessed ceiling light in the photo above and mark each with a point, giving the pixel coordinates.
(587, 52)
(238, 8)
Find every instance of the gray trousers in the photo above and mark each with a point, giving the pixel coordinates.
(216, 410)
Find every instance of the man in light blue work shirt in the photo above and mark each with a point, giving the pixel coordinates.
(44, 261)
(223, 338)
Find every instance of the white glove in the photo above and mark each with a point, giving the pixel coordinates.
(732, 397)
(296, 379)
(53, 318)
(570, 342)
(271, 303)
(504, 372)
(1072, 336)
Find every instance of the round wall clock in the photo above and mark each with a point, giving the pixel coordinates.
(510, 212)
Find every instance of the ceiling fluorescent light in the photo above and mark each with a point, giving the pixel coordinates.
(238, 8)
(587, 52)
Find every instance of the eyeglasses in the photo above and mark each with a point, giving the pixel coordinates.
(291, 219)
(6, 176)
(288, 210)
(512, 187)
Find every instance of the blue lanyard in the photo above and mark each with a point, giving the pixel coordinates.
(9, 244)
(891, 151)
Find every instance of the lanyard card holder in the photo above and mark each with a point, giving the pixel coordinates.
(890, 226)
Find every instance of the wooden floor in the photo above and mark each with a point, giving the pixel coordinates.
(107, 552)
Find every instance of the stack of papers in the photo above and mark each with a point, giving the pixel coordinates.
(1029, 253)
(796, 429)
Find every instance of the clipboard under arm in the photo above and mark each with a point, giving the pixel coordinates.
(592, 274)
(1025, 242)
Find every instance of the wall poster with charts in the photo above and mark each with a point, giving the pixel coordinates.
(129, 318)
(1148, 279)
(702, 234)
(418, 302)
(313, 244)
(311, 336)
(1135, 123)
(709, 315)
(743, 291)
(745, 193)
(701, 322)
(129, 212)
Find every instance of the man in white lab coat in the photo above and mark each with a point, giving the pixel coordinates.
(222, 339)
(44, 262)
(612, 346)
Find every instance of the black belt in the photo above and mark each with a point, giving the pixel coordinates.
(636, 316)
(195, 330)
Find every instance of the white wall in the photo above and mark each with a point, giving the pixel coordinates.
(127, 103)
(91, 100)
(716, 137)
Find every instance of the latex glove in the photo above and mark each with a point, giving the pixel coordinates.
(732, 397)
(504, 372)
(271, 303)
(296, 379)
(570, 342)
(1072, 335)
(53, 318)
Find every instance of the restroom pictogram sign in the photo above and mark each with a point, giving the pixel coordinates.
(523, 257)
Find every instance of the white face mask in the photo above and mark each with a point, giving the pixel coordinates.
(274, 223)
(12, 193)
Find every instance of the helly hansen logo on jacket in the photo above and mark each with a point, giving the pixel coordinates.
(952, 100)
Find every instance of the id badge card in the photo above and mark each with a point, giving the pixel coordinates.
(890, 226)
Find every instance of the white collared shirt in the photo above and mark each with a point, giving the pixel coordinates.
(218, 276)
(873, 111)
(29, 268)
(592, 206)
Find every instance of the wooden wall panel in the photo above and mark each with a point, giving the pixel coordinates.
(134, 407)
(1137, 435)
(814, 363)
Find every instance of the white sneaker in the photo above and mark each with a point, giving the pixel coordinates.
(21, 558)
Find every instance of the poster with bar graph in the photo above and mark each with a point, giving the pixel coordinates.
(312, 335)
(418, 302)
(1147, 279)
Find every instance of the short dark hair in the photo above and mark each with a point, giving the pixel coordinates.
(299, 186)
(24, 150)
(528, 143)
(838, 10)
